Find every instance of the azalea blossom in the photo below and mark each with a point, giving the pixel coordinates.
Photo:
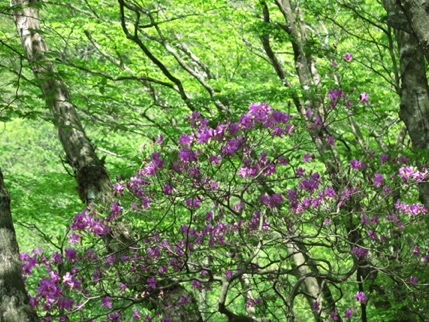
(363, 98)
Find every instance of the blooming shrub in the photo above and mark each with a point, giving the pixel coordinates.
(228, 213)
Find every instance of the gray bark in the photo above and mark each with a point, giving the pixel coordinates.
(91, 176)
(14, 301)
(414, 89)
(414, 95)
(417, 13)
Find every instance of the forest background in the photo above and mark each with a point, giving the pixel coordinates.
(90, 90)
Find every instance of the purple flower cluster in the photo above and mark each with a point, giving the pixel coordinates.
(410, 173)
(89, 222)
(412, 210)
(358, 165)
(334, 95)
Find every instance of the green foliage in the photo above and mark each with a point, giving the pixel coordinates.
(124, 99)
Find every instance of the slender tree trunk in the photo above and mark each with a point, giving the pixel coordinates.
(14, 301)
(314, 289)
(93, 181)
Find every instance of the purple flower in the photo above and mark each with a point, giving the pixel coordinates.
(299, 172)
(387, 190)
(407, 173)
(71, 254)
(283, 161)
(153, 165)
(348, 313)
(356, 164)
(182, 301)
(214, 159)
(360, 252)
(230, 147)
(243, 172)
(360, 297)
(228, 274)
(118, 188)
(413, 279)
(196, 115)
(238, 206)
(151, 281)
(163, 269)
(115, 317)
(167, 189)
(334, 315)
(233, 128)
(196, 284)
(403, 159)
(193, 203)
(271, 201)
(67, 279)
(54, 276)
(65, 303)
(348, 57)
(372, 234)
(57, 258)
(334, 95)
(33, 302)
(250, 303)
(275, 199)
(383, 158)
(309, 185)
(105, 301)
(315, 306)
(363, 98)
(204, 135)
(186, 139)
(378, 179)
(187, 155)
(136, 314)
(159, 139)
(209, 216)
(289, 128)
(306, 157)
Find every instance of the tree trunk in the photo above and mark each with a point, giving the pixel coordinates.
(14, 301)
(314, 289)
(414, 89)
(417, 13)
(414, 97)
(93, 181)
